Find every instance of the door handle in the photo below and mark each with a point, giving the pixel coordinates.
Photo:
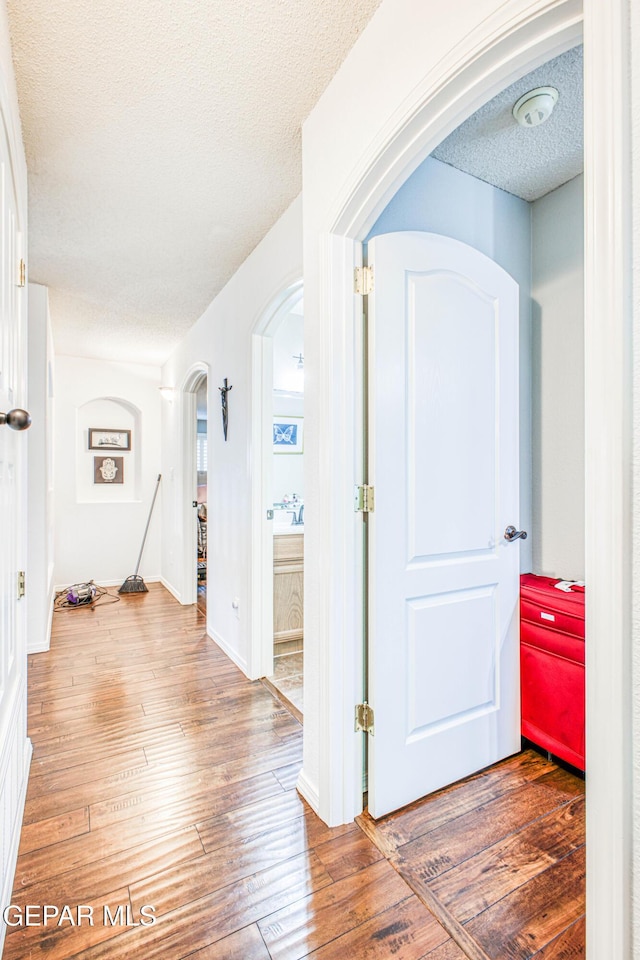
(512, 534)
(16, 419)
(194, 503)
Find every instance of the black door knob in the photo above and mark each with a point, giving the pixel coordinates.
(16, 419)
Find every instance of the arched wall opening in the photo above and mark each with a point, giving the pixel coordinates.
(187, 396)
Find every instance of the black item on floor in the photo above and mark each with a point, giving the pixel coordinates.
(134, 583)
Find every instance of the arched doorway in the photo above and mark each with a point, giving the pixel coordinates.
(397, 136)
(194, 401)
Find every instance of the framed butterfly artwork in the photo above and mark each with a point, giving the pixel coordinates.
(288, 434)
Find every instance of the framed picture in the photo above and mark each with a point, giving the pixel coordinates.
(108, 469)
(101, 439)
(288, 434)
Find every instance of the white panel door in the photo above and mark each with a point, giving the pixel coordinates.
(443, 580)
(13, 453)
(13, 445)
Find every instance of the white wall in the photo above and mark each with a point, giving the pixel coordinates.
(438, 198)
(558, 384)
(99, 527)
(221, 339)
(40, 566)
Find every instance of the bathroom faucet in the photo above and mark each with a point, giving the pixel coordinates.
(297, 518)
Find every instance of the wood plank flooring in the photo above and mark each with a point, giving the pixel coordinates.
(498, 858)
(162, 777)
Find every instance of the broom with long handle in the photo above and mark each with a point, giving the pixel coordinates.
(134, 583)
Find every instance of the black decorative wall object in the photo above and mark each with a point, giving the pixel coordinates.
(225, 406)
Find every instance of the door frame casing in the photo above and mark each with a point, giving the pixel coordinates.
(504, 47)
(190, 383)
(260, 659)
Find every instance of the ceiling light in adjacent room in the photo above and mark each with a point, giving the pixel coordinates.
(536, 106)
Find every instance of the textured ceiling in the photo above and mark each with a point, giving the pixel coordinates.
(162, 141)
(528, 162)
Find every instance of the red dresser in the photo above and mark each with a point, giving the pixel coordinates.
(552, 667)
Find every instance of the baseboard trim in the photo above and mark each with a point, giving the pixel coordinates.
(230, 652)
(14, 843)
(45, 642)
(172, 590)
(308, 791)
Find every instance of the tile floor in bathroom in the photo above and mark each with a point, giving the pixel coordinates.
(287, 678)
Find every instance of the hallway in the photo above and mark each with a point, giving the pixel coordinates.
(162, 777)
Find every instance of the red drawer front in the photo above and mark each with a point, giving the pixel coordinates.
(539, 636)
(545, 606)
(553, 703)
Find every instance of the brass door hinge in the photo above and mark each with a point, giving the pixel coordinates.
(363, 277)
(364, 499)
(21, 584)
(364, 718)
(22, 273)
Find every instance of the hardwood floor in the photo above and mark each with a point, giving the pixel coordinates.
(162, 777)
(498, 858)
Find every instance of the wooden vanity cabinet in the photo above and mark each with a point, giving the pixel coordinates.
(288, 592)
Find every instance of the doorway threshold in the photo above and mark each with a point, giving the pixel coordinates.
(286, 685)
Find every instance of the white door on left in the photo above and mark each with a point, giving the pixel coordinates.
(14, 746)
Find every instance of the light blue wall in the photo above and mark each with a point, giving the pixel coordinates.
(438, 198)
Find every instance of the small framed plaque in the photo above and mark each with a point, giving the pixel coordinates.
(108, 469)
(100, 439)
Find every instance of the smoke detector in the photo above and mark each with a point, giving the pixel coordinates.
(536, 106)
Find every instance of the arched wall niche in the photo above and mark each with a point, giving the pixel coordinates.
(108, 414)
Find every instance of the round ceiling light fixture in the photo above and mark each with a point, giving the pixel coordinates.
(536, 106)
